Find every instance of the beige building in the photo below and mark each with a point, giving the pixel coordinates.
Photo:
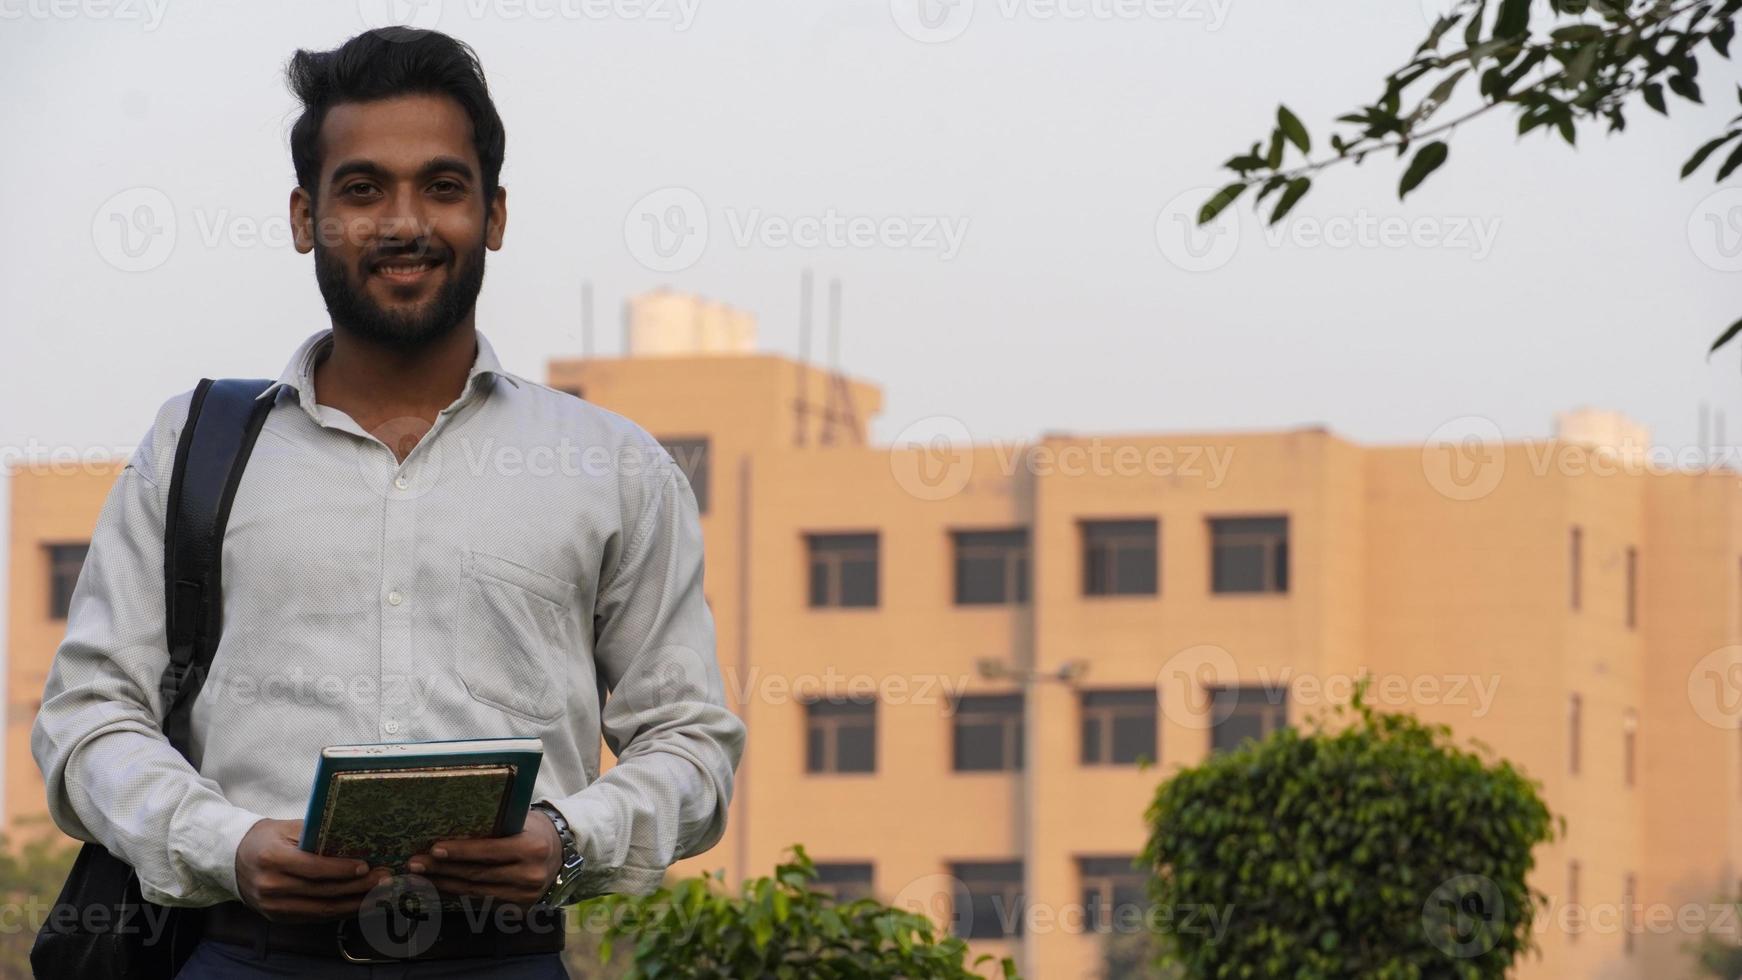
(953, 657)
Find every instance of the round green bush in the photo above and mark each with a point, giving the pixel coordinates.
(1372, 849)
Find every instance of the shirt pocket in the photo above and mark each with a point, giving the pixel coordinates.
(515, 641)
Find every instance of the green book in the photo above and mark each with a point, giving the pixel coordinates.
(384, 802)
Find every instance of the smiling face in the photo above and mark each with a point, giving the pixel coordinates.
(401, 223)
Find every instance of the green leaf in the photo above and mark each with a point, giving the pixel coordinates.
(1426, 161)
(1220, 200)
(1730, 163)
(1725, 337)
(1291, 127)
(1443, 90)
(1273, 159)
(1439, 30)
(1473, 27)
(1574, 33)
(1705, 151)
(1579, 69)
(1285, 203)
(1685, 87)
(1514, 18)
(1654, 96)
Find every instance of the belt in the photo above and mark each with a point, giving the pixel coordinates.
(483, 928)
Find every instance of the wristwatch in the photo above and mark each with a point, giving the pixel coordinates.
(565, 887)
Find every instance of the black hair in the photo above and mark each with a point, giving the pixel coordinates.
(380, 64)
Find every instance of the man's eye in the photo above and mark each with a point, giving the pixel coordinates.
(361, 188)
(446, 187)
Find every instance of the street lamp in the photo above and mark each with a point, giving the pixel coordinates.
(1068, 673)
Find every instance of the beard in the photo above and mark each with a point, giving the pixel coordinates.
(354, 310)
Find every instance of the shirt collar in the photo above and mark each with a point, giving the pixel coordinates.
(298, 375)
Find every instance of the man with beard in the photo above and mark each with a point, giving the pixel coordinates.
(390, 575)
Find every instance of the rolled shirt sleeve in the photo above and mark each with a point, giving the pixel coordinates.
(666, 719)
(112, 777)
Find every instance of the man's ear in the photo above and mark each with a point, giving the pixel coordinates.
(496, 220)
(302, 219)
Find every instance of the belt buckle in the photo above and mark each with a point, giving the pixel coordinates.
(413, 946)
(340, 937)
(399, 923)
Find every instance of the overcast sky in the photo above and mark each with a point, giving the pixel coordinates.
(1020, 162)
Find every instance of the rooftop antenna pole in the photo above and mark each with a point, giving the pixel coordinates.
(835, 325)
(1705, 432)
(801, 408)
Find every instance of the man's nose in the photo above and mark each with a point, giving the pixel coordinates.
(403, 218)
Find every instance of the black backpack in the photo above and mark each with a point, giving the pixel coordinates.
(101, 926)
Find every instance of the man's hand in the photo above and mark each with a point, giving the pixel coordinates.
(285, 883)
(517, 869)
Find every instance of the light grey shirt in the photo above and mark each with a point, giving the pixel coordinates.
(532, 554)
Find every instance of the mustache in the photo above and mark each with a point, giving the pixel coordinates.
(421, 249)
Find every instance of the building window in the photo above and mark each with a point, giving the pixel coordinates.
(844, 881)
(1119, 727)
(691, 456)
(1115, 893)
(1575, 731)
(843, 570)
(988, 899)
(841, 735)
(1629, 746)
(1629, 912)
(1119, 557)
(1245, 713)
(988, 732)
(1576, 565)
(64, 563)
(1576, 915)
(991, 567)
(1632, 588)
(1249, 554)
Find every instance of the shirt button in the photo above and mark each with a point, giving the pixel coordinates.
(394, 598)
(391, 727)
(401, 483)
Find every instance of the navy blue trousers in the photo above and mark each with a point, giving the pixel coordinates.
(223, 961)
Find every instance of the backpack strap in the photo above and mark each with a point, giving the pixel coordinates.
(223, 421)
